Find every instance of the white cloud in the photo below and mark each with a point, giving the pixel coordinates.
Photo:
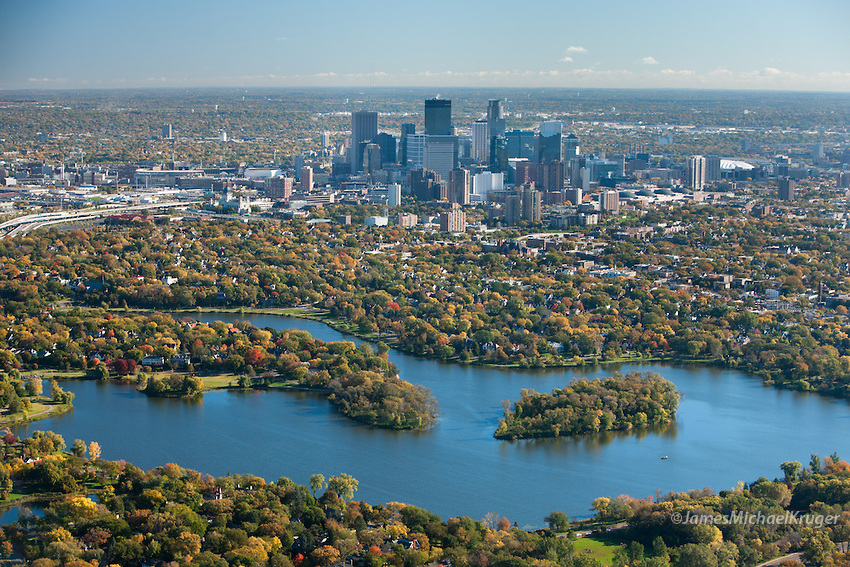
(681, 72)
(566, 59)
(649, 60)
(576, 49)
(46, 80)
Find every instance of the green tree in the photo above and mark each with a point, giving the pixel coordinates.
(696, 555)
(791, 469)
(557, 520)
(817, 547)
(344, 485)
(78, 448)
(317, 482)
(101, 371)
(5, 482)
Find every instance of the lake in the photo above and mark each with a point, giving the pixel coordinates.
(730, 428)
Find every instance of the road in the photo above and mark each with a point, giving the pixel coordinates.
(781, 560)
(21, 225)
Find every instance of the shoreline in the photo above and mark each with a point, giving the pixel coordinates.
(323, 317)
(53, 411)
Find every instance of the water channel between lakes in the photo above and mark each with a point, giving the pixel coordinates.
(730, 428)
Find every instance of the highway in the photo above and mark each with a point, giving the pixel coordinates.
(27, 223)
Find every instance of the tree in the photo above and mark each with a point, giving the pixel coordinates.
(187, 544)
(15, 404)
(325, 555)
(817, 546)
(791, 470)
(696, 555)
(659, 548)
(600, 506)
(317, 482)
(636, 551)
(815, 463)
(94, 451)
(101, 371)
(57, 394)
(79, 448)
(344, 485)
(557, 520)
(34, 387)
(5, 482)
(124, 366)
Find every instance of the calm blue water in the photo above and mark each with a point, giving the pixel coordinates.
(730, 428)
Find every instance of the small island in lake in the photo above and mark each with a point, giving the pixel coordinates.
(589, 406)
(383, 401)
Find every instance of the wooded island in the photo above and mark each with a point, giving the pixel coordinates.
(590, 406)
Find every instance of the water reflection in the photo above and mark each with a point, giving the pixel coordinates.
(592, 441)
(24, 515)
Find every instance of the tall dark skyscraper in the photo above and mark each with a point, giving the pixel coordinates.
(495, 120)
(364, 127)
(549, 142)
(520, 144)
(571, 147)
(495, 128)
(388, 145)
(438, 117)
(406, 129)
(499, 154)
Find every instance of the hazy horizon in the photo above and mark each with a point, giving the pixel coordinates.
(727, 45)
(437, 89)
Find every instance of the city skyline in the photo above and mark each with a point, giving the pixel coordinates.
(613, 44)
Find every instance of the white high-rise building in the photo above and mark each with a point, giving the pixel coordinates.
(609, 202)
(394, 195)
(485, 182)
(481, 141)
(696, 172)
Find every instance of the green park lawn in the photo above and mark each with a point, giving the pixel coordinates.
(219, 381)
(601, 547)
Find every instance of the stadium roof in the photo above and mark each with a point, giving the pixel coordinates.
(729, 164)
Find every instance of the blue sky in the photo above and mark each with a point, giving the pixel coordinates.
(718, 44)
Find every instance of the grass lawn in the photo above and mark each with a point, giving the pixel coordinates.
(15, 496)
(38, 410)
(601, 547)
(49, 373)
(219, 381)
(38, 407)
